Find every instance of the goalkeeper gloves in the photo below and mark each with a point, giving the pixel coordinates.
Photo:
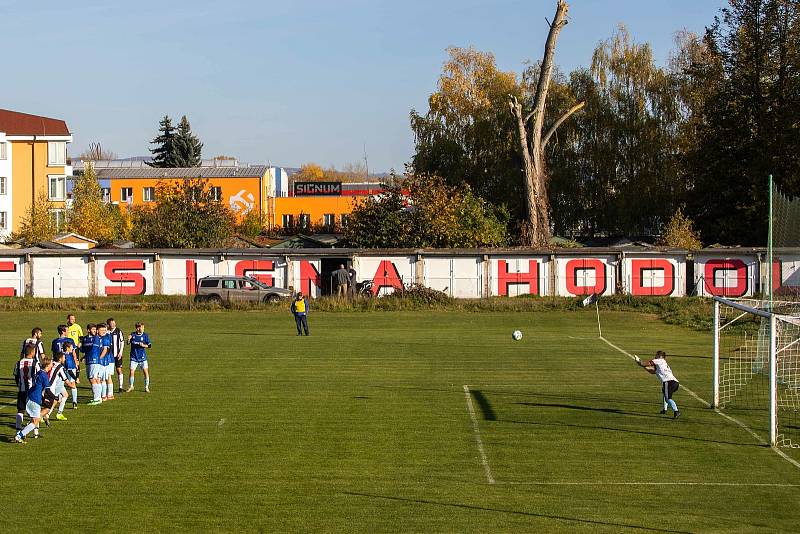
(636, 359)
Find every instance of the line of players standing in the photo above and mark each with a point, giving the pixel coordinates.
(41, 378)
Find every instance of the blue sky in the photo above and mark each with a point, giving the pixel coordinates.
(289, 82)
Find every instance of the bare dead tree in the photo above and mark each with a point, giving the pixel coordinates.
(533, 139)
(95, 152)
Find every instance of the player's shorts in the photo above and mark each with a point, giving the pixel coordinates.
(61, 390)
(670, 387)
(118, 362)
(95, 371)
(22, 399)
(109, 371)
(73, 374)
(138, 365)
(33, 409)
(48, 398)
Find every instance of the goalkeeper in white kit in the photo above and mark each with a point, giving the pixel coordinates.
(669, 384)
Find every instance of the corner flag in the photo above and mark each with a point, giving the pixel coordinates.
(591, 299)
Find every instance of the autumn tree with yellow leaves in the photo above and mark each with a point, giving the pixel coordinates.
(89, 216)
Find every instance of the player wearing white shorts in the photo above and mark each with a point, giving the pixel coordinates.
(93, 350)
(669, 384)
(106, 362)
(24, 374)
(71, 366)
(139, 342)
(33, 407)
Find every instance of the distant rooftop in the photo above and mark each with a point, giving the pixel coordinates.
(16, 123)
(182, 172)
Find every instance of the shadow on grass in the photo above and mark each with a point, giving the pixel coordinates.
(483, 404)
(506, 511)
(574, 407)
(629, 431)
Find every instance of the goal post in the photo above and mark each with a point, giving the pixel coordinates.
(756, 366)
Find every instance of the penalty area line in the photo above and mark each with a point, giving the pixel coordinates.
(617, 483)
(476, 432)
(749, 430)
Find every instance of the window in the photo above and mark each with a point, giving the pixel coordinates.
(3, 153)
(216, 193)
(305, 220)
(57, 187)
(126, 194)
(209, 283)
(288, 221)
(246, 284)
(58, 218)
(345, 218)
(149, 194)
(106, 194)
(229, 284)
(329, 219)
(3, 220)
(2, 185)
(57, 153)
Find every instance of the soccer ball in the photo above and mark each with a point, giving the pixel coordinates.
(517, 335)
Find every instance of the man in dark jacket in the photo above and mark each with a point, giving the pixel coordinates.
(342, 279)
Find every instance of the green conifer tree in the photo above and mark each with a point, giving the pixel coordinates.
(188, 147)
(165, 152)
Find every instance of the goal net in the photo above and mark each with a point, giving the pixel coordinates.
(757, 366)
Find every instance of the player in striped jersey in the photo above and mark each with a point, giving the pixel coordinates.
(58, 378)
(36, 341)
(669, 384)
(33, 407)
(117, 346)
(71, 365)
(24, 374)
(139, 342)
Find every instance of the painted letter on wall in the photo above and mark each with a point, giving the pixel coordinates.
(115, 273)
(652, 277)
(506, 278)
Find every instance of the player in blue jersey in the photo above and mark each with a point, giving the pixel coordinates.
(92, 348)
(91, 331)
(71, 366)
(33, 407)
(106, 362)
(139, 342)
(57, 345)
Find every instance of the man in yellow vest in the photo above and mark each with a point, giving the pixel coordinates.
(300, 311)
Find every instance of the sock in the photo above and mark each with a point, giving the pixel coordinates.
(28, 429)
(120, 379)
(96, 392)
(673, 405)
(131, 380)
(103, 390)
(20, 420)
(110, 388)
(666, 406)
(75, 395)
(36, 431)
(62, 403)
(147, 382)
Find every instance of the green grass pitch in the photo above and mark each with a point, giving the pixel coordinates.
(365, 427)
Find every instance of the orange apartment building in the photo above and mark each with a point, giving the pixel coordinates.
(33, 159)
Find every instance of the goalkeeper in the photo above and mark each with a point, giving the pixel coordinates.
(669, 384)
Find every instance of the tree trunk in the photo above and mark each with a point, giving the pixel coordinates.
(536, 229)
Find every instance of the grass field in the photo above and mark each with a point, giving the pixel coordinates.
(365, 426)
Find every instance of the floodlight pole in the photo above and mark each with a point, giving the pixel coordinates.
(770, 260)
(715, 393)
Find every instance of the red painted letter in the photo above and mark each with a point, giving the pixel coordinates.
(309, 275)
(639, 274)
(504, 278)
(244, 268)
(576, 286)
(113, 275)
(713, 266)
(386, 276)
(8, 267)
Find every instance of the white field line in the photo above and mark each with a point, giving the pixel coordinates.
(591, 483)
(477, 434)
(726, 416)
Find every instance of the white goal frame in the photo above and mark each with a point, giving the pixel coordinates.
(773, 360)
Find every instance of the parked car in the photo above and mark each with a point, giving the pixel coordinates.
(238, 289)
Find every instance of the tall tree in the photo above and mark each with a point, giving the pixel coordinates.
(165, 152)
(533, 138)
(88, 215)
(188, 148)
(746, 117)
(38, 224)
(467, 134)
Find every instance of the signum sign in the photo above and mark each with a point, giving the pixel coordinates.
(317, 188)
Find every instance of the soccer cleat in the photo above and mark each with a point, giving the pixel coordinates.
(677, 414)
(129, 389)
(47, 422)
(93, 402)
(662, 412)
(61, 417)
(74, 405)
(18, 437)
(104, 398)
(147, 389)
(110, 397)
